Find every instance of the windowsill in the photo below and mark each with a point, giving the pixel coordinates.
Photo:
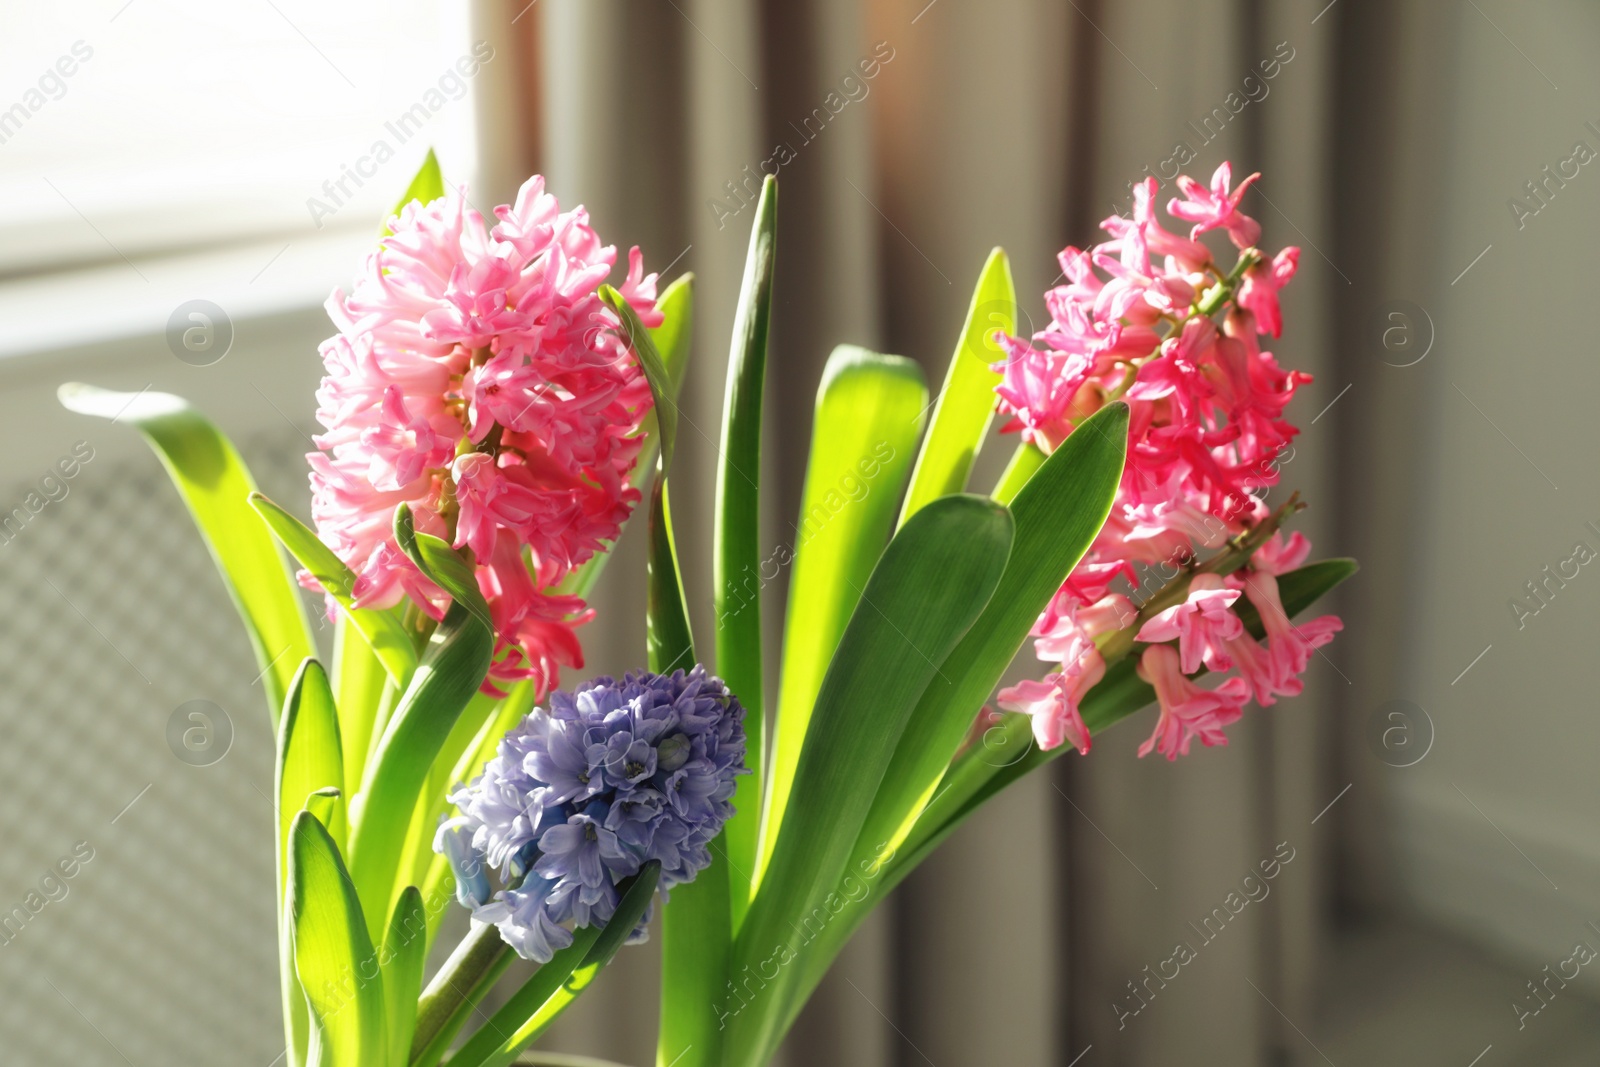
(122, 299)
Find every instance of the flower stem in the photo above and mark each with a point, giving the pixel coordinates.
(472, 969)
(1222, 292)
(1236, 554)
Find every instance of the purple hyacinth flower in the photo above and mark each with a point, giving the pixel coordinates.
(585, 791)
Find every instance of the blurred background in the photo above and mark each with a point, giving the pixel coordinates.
(1432, 798)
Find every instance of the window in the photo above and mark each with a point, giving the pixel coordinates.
(136, 128)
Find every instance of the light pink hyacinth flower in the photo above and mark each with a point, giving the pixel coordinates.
(1274, 670)
(1200, 624)
(478, 378)
(1188, 711)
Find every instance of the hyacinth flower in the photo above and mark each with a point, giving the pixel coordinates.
(583, 794)
(1151, 319)
(491, 408)
(477, 377)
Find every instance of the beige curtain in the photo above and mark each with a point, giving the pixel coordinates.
(1012, 122)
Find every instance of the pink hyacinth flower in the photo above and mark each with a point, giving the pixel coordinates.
(1187, 710)
(1289, 645)
(1206, 436)
(1217, 207)
(1200, 624)
(1052, 703)
(1279, 556)
(479, 379)
(1259, 293)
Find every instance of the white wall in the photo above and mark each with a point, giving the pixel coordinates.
(1496, 831)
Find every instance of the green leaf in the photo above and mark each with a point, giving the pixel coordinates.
(417, 855)
(507, 714)
(327, 804)
(696, 925)
(453, 667)
(931, 585)
(1058, 514)
(1025, 462)
(643, 346)
(669, 641)
(737, 533)
(333, 955)
(1298, 590)
(404, 954)
(450, 569)
(672, 340)
(696, 947)
(381, 627)
(554, 986)
(215, 484)
(1008, 752)
(869, 415)
(675, 335)
(988, 768)
(310, 755)
(966, 402)
(308, 759)
(360, 683)
(426, 187)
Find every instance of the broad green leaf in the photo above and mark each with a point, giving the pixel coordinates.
(308, 759)
(215, 484)
(359, 685)
(1058, 514)
(1298, 590)
(381, 627)
(426, 187)
(310, 753)
(1009, 753)
(869, 415)
(452, 668)
(737, 534)
(416, 855)
(333, 954)
(1025, 461)
(672, 339)
(404, 954)
(927, 590)
(966, 402)
(554, 986)
(696, 928)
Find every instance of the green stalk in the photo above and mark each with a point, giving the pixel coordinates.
(477, 963)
